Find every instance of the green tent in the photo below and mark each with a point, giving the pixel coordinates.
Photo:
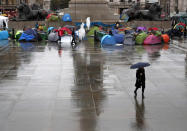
(18, 34)
(158, 33)
(53, 18)
(43, 35)
(91, 31)
(100, 34)
(140, 38)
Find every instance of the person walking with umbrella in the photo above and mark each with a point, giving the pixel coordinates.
(140, 80)
(140, 76)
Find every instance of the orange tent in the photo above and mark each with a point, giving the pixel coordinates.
(165, 38)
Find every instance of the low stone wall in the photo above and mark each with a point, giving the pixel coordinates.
(30, 24)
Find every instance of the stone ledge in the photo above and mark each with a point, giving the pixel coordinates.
(30, 24)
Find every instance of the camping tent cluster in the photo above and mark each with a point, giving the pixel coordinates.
(129, 36)
(179, 26)
(33, 34)
(107, 34)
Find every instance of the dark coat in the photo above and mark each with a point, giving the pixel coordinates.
(140, 77)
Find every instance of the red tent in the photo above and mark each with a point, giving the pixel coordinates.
(153, 28)
(182, 24)
(49, 15)
(64, 30)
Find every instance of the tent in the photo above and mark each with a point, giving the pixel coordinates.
(115, 31)
(66, 18)
(165, 38)
(152, 39)
(158, 33)
(108, 40)
(180, 26)
(66, 39)
(30, 35)
(129, 39)
(52, 17)
(153, 29)
(53, 37)
(4, 35)
(49, 15)
(43, 35)
(99, 35)
(119, 38)
(174, 32)
(141, 29)
(141, 37)
(50, 29)
(18, 34)
(88, 23)
(92, 30)
(64, 30)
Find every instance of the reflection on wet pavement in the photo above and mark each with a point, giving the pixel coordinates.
(44, 86)
(140, 111)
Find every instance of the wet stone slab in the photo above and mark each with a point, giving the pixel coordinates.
(91, 88)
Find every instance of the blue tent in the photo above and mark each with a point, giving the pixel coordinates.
(50, 29)
(30, 35)
(119, 38)
(66, 18)
(26, 37)
(114, 31)
(4, 35)
(108, 40)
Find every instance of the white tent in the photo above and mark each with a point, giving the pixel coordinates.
(88, 23)
(81, 32)
(5, 20)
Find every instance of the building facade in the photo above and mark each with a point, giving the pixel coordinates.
(46, 4)
(178, 6)
(10, 4)
(120, 5)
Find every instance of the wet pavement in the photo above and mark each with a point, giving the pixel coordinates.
(47, 88)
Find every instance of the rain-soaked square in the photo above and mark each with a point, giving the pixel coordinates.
(91, 88)
(93, 65)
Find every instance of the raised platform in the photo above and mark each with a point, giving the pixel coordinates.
(97, 10)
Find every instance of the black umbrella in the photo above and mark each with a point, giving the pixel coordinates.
(139, 65)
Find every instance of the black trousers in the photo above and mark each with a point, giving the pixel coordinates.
(140, 85)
